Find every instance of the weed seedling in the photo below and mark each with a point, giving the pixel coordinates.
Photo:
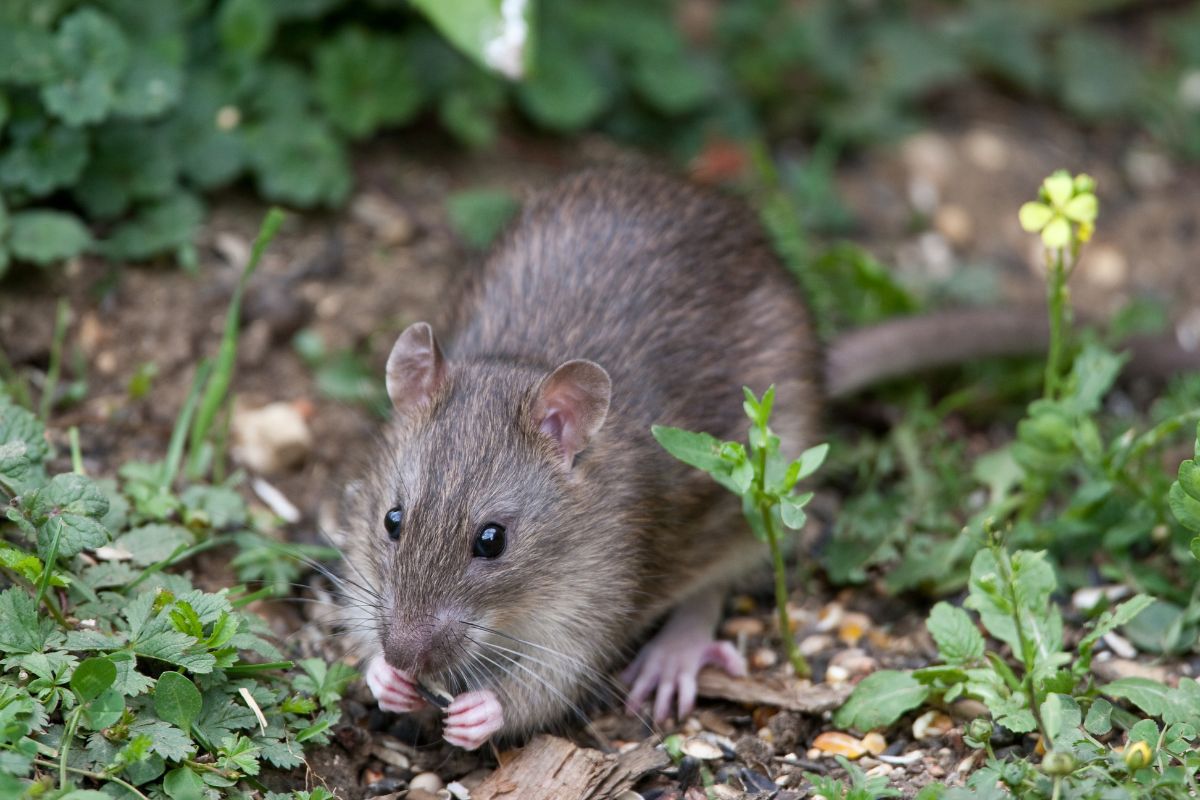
(764, 480)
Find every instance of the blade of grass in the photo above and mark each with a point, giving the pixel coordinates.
(174, 457)
(76, 453)
(218, 386)
(61, 317)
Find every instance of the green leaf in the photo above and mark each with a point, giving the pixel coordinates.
(298, 161)
(791, 509)
(699, 450)
(1109, 621)
(43, 237)
(1033, 581)
(21, 631)
(246, 26)
(161, 226)
(152, 543)
(182, 783)
(880, 699)
(105, 710)
(365, 81)
(92, 53)
(1150, 696)
(68, 508)
(1097, 76)
(495, 33)
(327, 682)
(1098, 721)
(479, 215)
(957, 638)
(93, 676)
(176, 700)
(21, 425)
(42, 157)
(169, 742)
(1061, 717)
(672, 82)
(29, 55)
(16, 470)
(564, 92)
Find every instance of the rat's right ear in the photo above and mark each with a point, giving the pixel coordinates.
(415, 369)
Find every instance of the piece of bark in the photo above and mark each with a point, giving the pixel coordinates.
(551, 768)
(792, 696)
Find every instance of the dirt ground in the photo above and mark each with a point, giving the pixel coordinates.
(939, 206)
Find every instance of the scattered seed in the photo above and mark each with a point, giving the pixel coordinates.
(836, 674)
(389, 756)
(904, 760)
(852, 627)
(764, 658)
(427, 782)
(874, 743)
(435, 694)
(735, 627)
(458, 791)
(812, 645)
(835, 743)
(701, 749)
(931, 724)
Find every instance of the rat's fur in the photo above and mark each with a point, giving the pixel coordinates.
(676, 293)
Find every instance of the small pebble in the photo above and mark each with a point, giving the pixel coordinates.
(836, 674)
(387, 221)
(904, 760)
(1120, 646)
(714, 722)
(830, 617)
(271, 438)
(1148, 170)
(813, 645)
(931, 724)
(420, 794)
(852, 627)
(764, 658)
(955, 224)
(986, 150)
(628, 794)
(427, 781)
(835, 743)
(391, 757)
(881, 769)
(854, 661)
(458, 791)
(1105, 266)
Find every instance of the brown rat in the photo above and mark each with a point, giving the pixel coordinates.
(522, 530)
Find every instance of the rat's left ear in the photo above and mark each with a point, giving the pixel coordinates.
(571, 403)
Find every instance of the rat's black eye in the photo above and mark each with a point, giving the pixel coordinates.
(489, 542)
(392, 521)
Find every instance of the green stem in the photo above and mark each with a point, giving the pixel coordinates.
(1056, 297)
(48, 567)
(1057, 788)
(781, 592)
(52, 371)
(76, 453)
(68, 734)
(1001, 556)
(96, 776)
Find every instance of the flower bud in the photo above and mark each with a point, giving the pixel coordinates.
(979, 730)
(1138, 755)
(1057, 762)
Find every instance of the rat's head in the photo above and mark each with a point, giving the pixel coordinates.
(486, 552)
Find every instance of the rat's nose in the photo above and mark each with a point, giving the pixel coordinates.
(417, 648)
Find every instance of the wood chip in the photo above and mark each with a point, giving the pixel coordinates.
(789, 695)
(551, 768)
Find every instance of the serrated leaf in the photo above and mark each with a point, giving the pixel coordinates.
(1061, 717)
(154, 81)
(176, 700)
(42, 158)
(365, 81)
(1033, 582)
(957, 638)
(43, 237)
(21, 631)
(28, 55)
(152, 543)
(21, 425)
(92, 677)
(1150, 696)
(169, 742)
(246, 27)
(1109, 621)
(80, 101)
(1098, 721)
(298, 161)
(160, 226)
(880, 699)
(67, 509)
(16, 470)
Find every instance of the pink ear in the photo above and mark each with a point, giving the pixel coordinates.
(571, 404)
(415, 369)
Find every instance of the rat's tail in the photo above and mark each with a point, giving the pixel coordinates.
(909, 345)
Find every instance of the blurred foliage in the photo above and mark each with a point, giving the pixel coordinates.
(116, 117)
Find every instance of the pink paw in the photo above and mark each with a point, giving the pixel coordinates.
(472, 719)
(670, 663)
(393, 689)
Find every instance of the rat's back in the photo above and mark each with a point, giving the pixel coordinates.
(669, 286)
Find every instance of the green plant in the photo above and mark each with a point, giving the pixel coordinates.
(861, 786)
(764, 480)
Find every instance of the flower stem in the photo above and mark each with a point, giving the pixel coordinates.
(1056, 297)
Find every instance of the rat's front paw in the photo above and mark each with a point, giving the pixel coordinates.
(668, 664)
(393, 690)
(472, 719)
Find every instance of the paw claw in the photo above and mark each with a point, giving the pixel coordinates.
(472, 719)
(393, 690)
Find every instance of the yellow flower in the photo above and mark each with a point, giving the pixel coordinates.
(1063, 201)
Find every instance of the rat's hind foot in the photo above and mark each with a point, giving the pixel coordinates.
(472, 719)
(394, 690)
(668, 663)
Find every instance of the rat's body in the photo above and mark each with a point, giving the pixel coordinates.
(617, 301)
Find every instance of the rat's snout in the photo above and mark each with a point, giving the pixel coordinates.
(422, 647)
